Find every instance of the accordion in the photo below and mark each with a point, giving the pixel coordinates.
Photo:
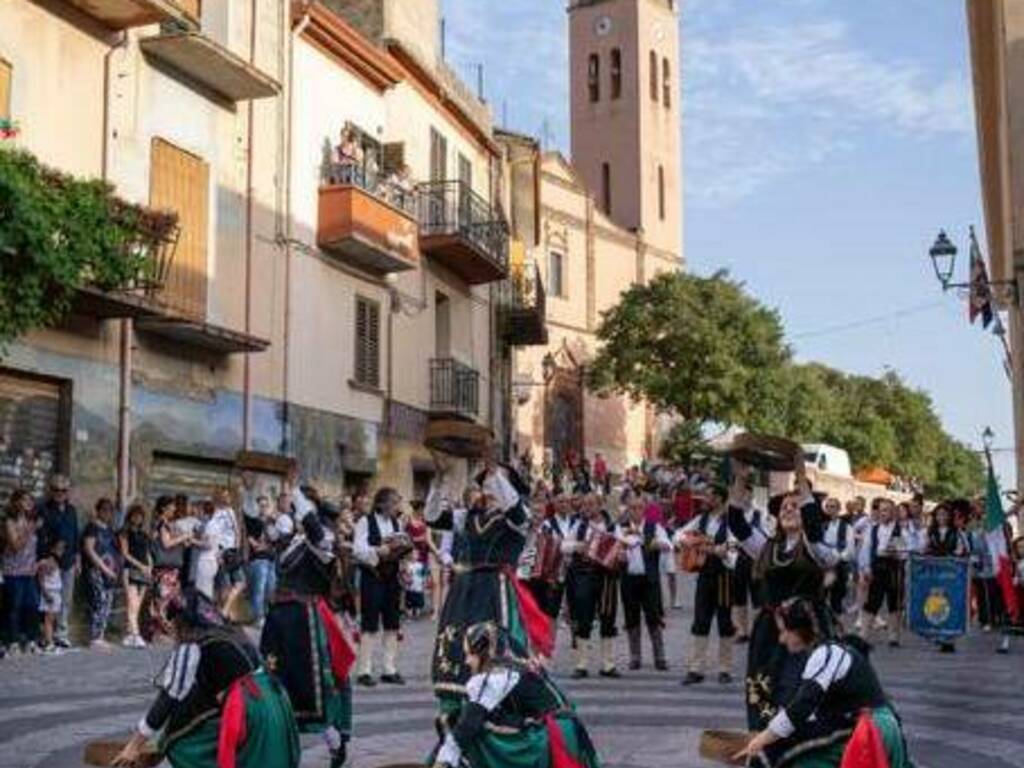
(605, 550)
(547, 566)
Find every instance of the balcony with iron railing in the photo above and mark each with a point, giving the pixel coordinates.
(525, 321)
(367, 219)
(454, 389)
(463, 232)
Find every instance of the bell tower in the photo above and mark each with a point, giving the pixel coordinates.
(625, 113)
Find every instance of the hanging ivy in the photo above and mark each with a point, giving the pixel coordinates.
(59, 234)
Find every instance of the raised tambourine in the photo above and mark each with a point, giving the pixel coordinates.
(777, 454)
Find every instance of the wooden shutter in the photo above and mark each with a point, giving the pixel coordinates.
(394, 157)
(33, 432)
(180, 181)
(438, 156)
(367, 343)
(5, 90)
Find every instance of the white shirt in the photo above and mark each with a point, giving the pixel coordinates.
(361, 548)
(849, 552)
(221, 531)
(634, 543)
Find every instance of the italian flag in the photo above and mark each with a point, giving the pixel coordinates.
(995, 535)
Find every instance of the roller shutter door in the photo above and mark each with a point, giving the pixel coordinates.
(32, 427)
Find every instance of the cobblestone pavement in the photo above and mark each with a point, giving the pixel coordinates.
(961, 711)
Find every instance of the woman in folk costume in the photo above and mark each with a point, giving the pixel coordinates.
(839, 715)
(790, 564)
(217, 707)
(302, 639)
(514, 716)
(484, 585)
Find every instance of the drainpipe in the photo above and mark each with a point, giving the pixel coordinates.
(286, 363)
(247, 364)
(126, 330)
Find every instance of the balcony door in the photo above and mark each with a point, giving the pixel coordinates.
(442, 326)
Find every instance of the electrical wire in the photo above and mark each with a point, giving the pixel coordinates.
(855, 324)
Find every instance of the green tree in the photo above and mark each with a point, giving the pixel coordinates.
(699, 347)
(58, 233)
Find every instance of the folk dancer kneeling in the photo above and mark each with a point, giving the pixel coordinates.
(839, 714)
(514, 715)
(216, 706)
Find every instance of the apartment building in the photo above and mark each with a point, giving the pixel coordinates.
(335, 290)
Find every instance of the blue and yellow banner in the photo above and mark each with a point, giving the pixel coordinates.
(939, 599)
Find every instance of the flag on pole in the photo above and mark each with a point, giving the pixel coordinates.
(980, 302)
(995, 536)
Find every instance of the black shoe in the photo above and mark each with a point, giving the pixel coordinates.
(724, 678)
(395, 679)
(338, 756)
(894, 643)
(579, 674)
(947, 648)
(693, 678)
(366, 681)
(634, 664)
(661, 666)
(742, 639)
(62, 642)
(613, 672)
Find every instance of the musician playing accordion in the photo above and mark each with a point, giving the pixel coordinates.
(596, 559)
(713, 597)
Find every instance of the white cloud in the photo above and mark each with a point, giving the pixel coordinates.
(765, 100)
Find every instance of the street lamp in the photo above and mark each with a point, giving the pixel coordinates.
(943, 255)
(988, 438)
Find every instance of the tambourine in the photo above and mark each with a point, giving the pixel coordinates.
(776, 454)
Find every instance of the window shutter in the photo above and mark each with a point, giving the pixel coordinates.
(5, 90)
(394, 157)
(367, 362)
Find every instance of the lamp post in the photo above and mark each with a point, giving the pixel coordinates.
(943, 255)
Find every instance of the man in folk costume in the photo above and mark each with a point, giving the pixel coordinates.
(713, 596)
(882, 566)
(645, 543)
(378, 546)
(595, 589)
(216, 706)
(839, 536)
(550, 589)
(746, 591)
(302, 640)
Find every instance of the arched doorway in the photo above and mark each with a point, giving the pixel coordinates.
(563, 412)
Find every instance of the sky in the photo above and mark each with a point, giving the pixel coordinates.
(825, 144)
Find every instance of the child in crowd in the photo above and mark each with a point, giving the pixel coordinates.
(416, 586)
(50, 599)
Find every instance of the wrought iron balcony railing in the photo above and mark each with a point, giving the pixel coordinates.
(454, 388)
(460, 226)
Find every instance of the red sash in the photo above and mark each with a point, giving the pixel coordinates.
(232, 721)
(865, 748)
(342, 655)
(539, 626)
(560, 756)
